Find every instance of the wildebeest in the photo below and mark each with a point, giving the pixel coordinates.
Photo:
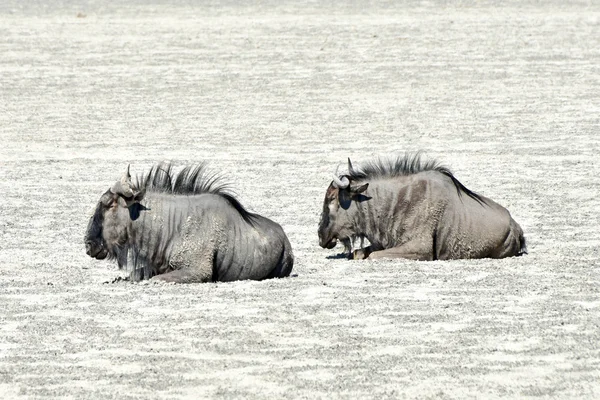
(185, 228)
(418, 210)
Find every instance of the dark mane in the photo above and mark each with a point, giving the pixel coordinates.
(191, 180)
(409, 164)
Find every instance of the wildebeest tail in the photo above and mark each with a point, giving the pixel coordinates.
(284, 264)
(523, 249)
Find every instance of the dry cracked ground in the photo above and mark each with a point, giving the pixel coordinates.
(275, 95)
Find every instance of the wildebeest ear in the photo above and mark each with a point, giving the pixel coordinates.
(350, 169)
(359, 189)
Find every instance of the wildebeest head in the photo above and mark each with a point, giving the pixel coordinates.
(107, 228)
(337, 217)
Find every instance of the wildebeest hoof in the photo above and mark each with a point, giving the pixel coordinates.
(360, 254)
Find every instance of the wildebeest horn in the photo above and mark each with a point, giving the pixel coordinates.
(350, 169)
(124, 185)
(341, 183)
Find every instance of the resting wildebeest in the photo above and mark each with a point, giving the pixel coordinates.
(418, 210)
(185, 228)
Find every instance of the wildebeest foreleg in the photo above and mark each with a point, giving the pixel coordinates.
(185, 275)
(414, 250)
(190, 265)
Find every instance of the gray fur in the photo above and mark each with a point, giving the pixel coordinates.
(185, 228)
(410, 209)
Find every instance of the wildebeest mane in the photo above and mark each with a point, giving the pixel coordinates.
(191, 180)
(408, 164)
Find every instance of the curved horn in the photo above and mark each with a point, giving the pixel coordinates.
(341, 183)
(350, 169)
(123, 186)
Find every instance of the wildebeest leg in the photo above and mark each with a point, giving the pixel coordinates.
(284, 266)
(185, 275)
(190, 265)
(512, 245)
(347, 245)
(414, 250)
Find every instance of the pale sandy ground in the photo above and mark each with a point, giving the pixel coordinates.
(275, 96)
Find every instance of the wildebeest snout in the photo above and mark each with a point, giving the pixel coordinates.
(95, 251)
(327, 243)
